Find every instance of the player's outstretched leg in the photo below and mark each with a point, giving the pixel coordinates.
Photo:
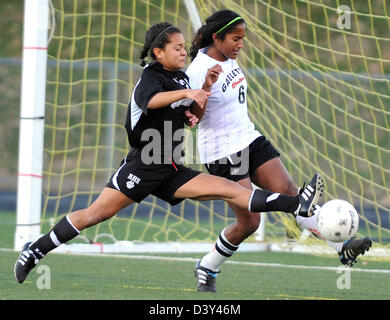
(26, 262)
(108, 204)
(352, 248)
(206, 278)
(33, 252)
(309, 196)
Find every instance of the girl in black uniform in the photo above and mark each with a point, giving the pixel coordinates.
(160, 104)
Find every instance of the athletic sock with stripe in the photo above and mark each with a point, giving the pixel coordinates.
(264, 201)
(62, 232)
(222, 250)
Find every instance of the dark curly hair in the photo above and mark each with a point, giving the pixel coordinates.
(157, 36)
(204, 36)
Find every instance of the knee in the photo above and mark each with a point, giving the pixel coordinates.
(250, 223)
(86, 218)
(288, 188)
(254, 222)
(96, 215)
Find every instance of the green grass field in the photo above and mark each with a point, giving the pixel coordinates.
(247, 276)
(276, 276)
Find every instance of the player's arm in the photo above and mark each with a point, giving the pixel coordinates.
(163, 99)
(211, 77)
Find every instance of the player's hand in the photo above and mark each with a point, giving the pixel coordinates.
(191, 119)
(212, 77)
(200, 96)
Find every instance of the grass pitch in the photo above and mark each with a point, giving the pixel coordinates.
(246, 276)
(249, 276)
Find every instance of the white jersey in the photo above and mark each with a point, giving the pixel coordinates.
(225, 128)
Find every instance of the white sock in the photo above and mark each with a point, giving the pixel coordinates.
(310, 223)
(338, 246)
(221, 251)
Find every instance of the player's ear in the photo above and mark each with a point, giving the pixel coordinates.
(158, 52)
(215, 37)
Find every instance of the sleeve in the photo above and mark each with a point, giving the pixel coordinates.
(196, 76)
(149, 85)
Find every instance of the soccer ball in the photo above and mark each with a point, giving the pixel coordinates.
(337, 220)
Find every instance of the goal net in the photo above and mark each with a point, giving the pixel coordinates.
(319, 79)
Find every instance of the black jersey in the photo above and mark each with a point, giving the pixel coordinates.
(155, 129)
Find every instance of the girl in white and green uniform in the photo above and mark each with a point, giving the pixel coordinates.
(228, 143)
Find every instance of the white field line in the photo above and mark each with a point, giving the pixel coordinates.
(255, 264)
(246, 263)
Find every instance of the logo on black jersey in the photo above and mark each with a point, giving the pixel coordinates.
(182, 82)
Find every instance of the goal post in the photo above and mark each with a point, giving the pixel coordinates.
(32, 116)
(193, 13)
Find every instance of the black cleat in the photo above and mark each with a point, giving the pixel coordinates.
(309, 196)
(25, 263)
(206, 278)
(352, 248)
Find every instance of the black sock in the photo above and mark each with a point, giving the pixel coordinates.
(264, 200)
(62, 232)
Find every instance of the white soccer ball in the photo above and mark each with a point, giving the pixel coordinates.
(337, 220)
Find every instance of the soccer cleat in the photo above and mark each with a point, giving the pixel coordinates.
(25, 263)
(309, 196)
(352, 248)
(206, 278)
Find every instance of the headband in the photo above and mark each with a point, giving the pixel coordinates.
(234, 20)
(155, 39)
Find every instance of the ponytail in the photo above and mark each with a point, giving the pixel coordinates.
(203, 38)
(144, 54)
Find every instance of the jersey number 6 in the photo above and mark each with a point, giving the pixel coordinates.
(241, 95)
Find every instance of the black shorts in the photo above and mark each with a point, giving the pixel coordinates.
(242, 164)
(137, 180)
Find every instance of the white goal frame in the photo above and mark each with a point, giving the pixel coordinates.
(32, 117)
